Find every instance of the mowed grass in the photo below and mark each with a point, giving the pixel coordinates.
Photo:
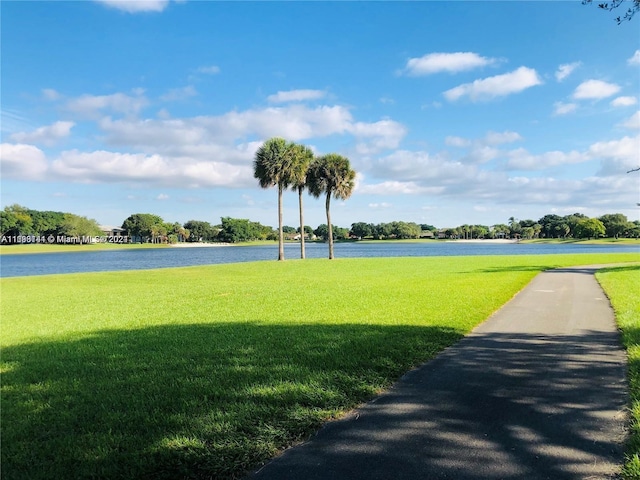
(205, 372)
(622, 285)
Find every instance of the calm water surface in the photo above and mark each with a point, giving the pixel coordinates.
(109, 260)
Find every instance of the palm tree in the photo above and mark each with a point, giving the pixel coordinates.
(302, 157)
(331, 174)
(272, 167)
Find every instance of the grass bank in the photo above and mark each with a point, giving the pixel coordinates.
(622, 285)
(204, 372)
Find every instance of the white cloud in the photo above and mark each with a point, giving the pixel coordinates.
(635, 58)
(497, 86)
(377, 136)
(521, 159)
(177, 94)
(295, 96)
(47, 135)
(561, 108)
(379, 205)
(150, 170)
(162, 196)
(22, 162)
(617, 156)
(90, 105)
(136, 6)
(50, 94)
(209, 69)
(497, 138)
(565, 70)
(624, 101)
(633, 122)
(445, 62)
(391, 187)
(459, 142)
(595, 89)
(209, 137)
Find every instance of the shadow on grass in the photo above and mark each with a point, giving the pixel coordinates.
(190, 401)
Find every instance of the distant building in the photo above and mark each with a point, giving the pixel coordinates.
(110, 231)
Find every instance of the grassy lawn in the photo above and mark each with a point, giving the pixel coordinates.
(204, 372)
(622, 285)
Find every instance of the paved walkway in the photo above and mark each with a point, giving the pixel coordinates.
(538, 391)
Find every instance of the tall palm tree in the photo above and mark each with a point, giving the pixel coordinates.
(302, 157)
(331, 174)
(272, 167)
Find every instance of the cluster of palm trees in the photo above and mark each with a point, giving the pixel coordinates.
(282, 164)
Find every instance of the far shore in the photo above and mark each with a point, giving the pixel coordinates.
(488, 240)
(198, 244)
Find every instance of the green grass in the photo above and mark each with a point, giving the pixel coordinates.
(204, 372)
(622, 285)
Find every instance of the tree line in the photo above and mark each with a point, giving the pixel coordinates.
(576, 225)
(16, 220)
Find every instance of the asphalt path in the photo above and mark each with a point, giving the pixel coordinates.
(538, 391)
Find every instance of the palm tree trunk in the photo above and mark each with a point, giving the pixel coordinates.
(330, 228)
(301, 223)
(280, 234)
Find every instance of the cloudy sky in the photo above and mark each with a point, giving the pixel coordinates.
(450, 112)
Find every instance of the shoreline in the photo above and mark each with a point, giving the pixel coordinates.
(198, 245)
(482, 240)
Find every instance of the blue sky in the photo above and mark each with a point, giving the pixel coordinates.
(450, 112)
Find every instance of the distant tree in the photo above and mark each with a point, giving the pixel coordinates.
(288, 229)
(77, 226)
(572, 221)
(308, 230)
(362, 229)
(528, 232)
(15, 220)
(322, 231)
(332, 175)
(633, 8)
(8, 222)
(199, 231)
(515, 229)
(589, 228)
(500, 230)
(236, 230)
(548, 225)
(338, 233)
(404, 230)
(46, 222)
(615, 224)
(383, 230)
(144, 226)
(272, 168)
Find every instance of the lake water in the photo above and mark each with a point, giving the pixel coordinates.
(110, 260)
